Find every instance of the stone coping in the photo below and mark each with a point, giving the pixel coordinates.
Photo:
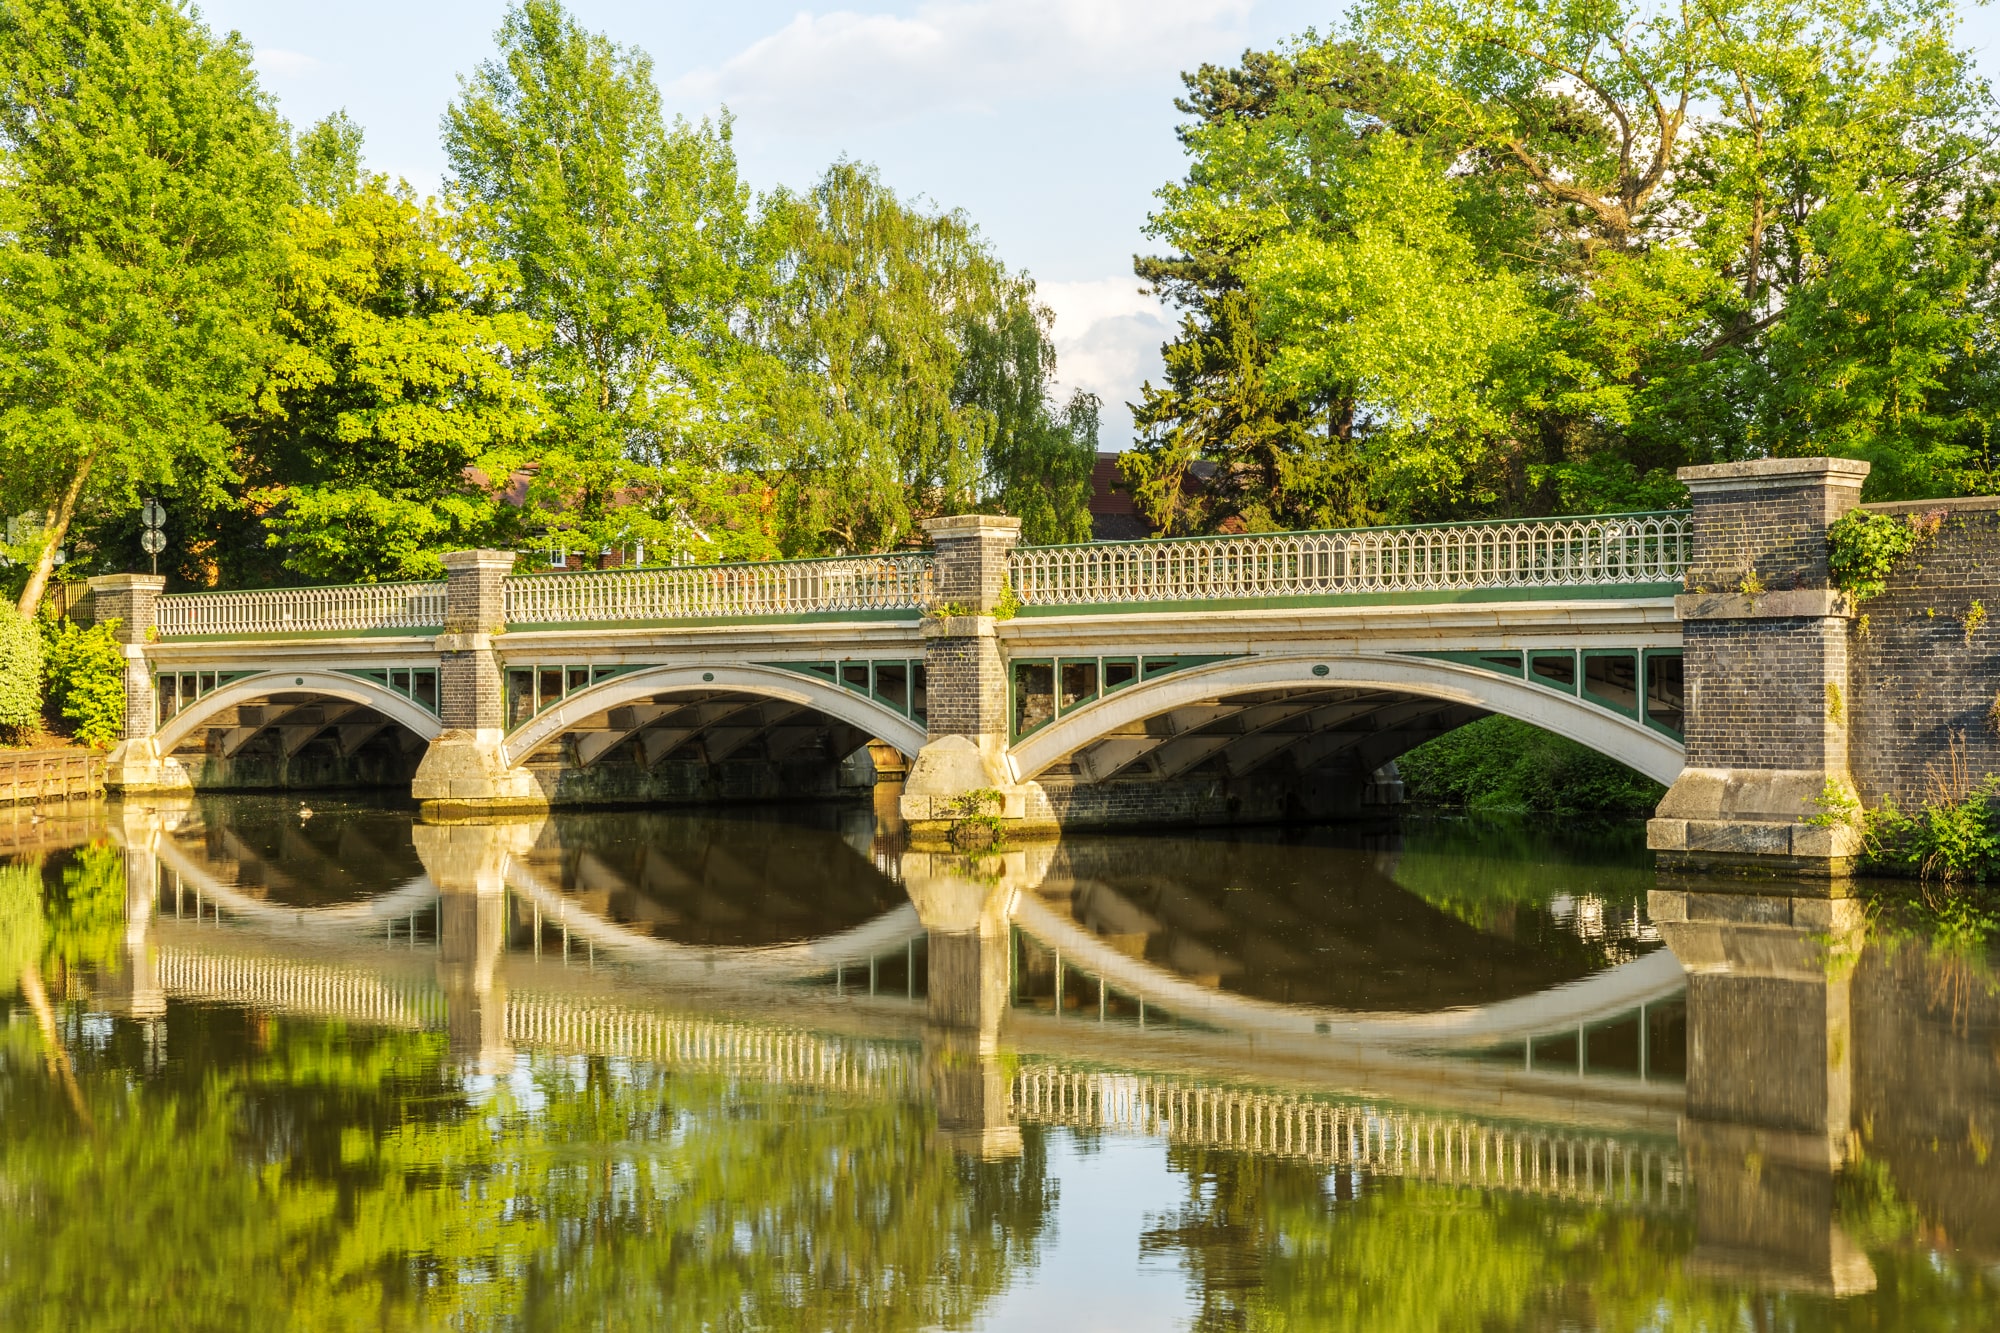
(1784, 604)
(1769, 473)
(1976, 503)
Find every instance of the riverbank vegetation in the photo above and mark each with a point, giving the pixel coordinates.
(1498, 764)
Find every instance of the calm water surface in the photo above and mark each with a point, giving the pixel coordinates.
(267, 1067)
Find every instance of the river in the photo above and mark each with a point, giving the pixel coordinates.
(271, 1064)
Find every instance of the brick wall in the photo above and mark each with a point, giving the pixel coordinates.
(967, 682)
(1780, 536)
(469, 690)
(1917, 679)
(129, 600)
(1758, 696)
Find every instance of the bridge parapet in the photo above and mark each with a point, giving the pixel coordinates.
(1587, 555)
(362, 608)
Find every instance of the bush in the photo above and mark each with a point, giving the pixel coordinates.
(1863, 548)
(1498, 763)
(20, 674)
(86, 674)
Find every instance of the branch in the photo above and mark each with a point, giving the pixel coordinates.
(1739, 333)
(1610, 215)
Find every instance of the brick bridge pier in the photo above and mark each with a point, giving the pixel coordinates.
(1256, 678)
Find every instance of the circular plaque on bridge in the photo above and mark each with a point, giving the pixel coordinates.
(153, 514)
(152, 541)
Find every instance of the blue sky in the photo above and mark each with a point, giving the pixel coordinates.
(1050, 122)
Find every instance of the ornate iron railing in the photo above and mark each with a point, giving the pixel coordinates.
(358, 608)
(1620, 549)
(770, 588)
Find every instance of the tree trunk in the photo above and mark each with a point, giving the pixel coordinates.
(56, 1053)
(52, 539)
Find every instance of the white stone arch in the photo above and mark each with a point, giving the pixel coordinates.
(329, 684)
(1658, 756)
(837, 702)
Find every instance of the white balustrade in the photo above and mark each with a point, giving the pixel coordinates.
(1580, 553)
(353, 608)
(1530, 553)
(1448, 1149)
(770, 588)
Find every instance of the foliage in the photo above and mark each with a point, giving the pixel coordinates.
(21, 928)
(139, 227)
(1863, 549)
(1513, 259)
(20, 673)
(1949, 839)
(85, 668)
(1224, 439)
(1498, 763)
(634, 244)
(915, 375)
(390, 414)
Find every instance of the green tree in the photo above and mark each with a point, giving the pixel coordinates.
(1541, 257)
(1220, 440)
(391, 414)
(144, 173)
(915, 373)
(1771, 225)
(633, 243)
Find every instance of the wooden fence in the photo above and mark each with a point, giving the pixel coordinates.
(50, 775)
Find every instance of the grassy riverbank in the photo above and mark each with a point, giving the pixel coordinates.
(1498, 764)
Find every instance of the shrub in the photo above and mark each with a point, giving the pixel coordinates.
(20, 674)
(1862, 548)
(86, 673)
(1498, 763)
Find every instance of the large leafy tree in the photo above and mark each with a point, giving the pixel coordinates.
(391, 413)
(1560, 252)
(914, 375)
(1220, 440)
(139, 235)
(632, 239)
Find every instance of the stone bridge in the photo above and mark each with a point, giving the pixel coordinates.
(1231, 679)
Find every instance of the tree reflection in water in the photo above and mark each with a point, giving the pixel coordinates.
(283, 1174)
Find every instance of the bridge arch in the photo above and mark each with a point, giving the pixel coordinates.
(773, 684)
(1110, 726)
(360, 716)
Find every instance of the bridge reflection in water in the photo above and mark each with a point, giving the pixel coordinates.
(611, 937)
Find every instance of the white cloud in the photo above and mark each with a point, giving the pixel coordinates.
(1107, 336)
(285, 64)
(843, 68)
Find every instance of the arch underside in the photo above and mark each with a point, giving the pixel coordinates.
(1254, 716)
(296, 738)
(702, 726)
(1240, 733)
